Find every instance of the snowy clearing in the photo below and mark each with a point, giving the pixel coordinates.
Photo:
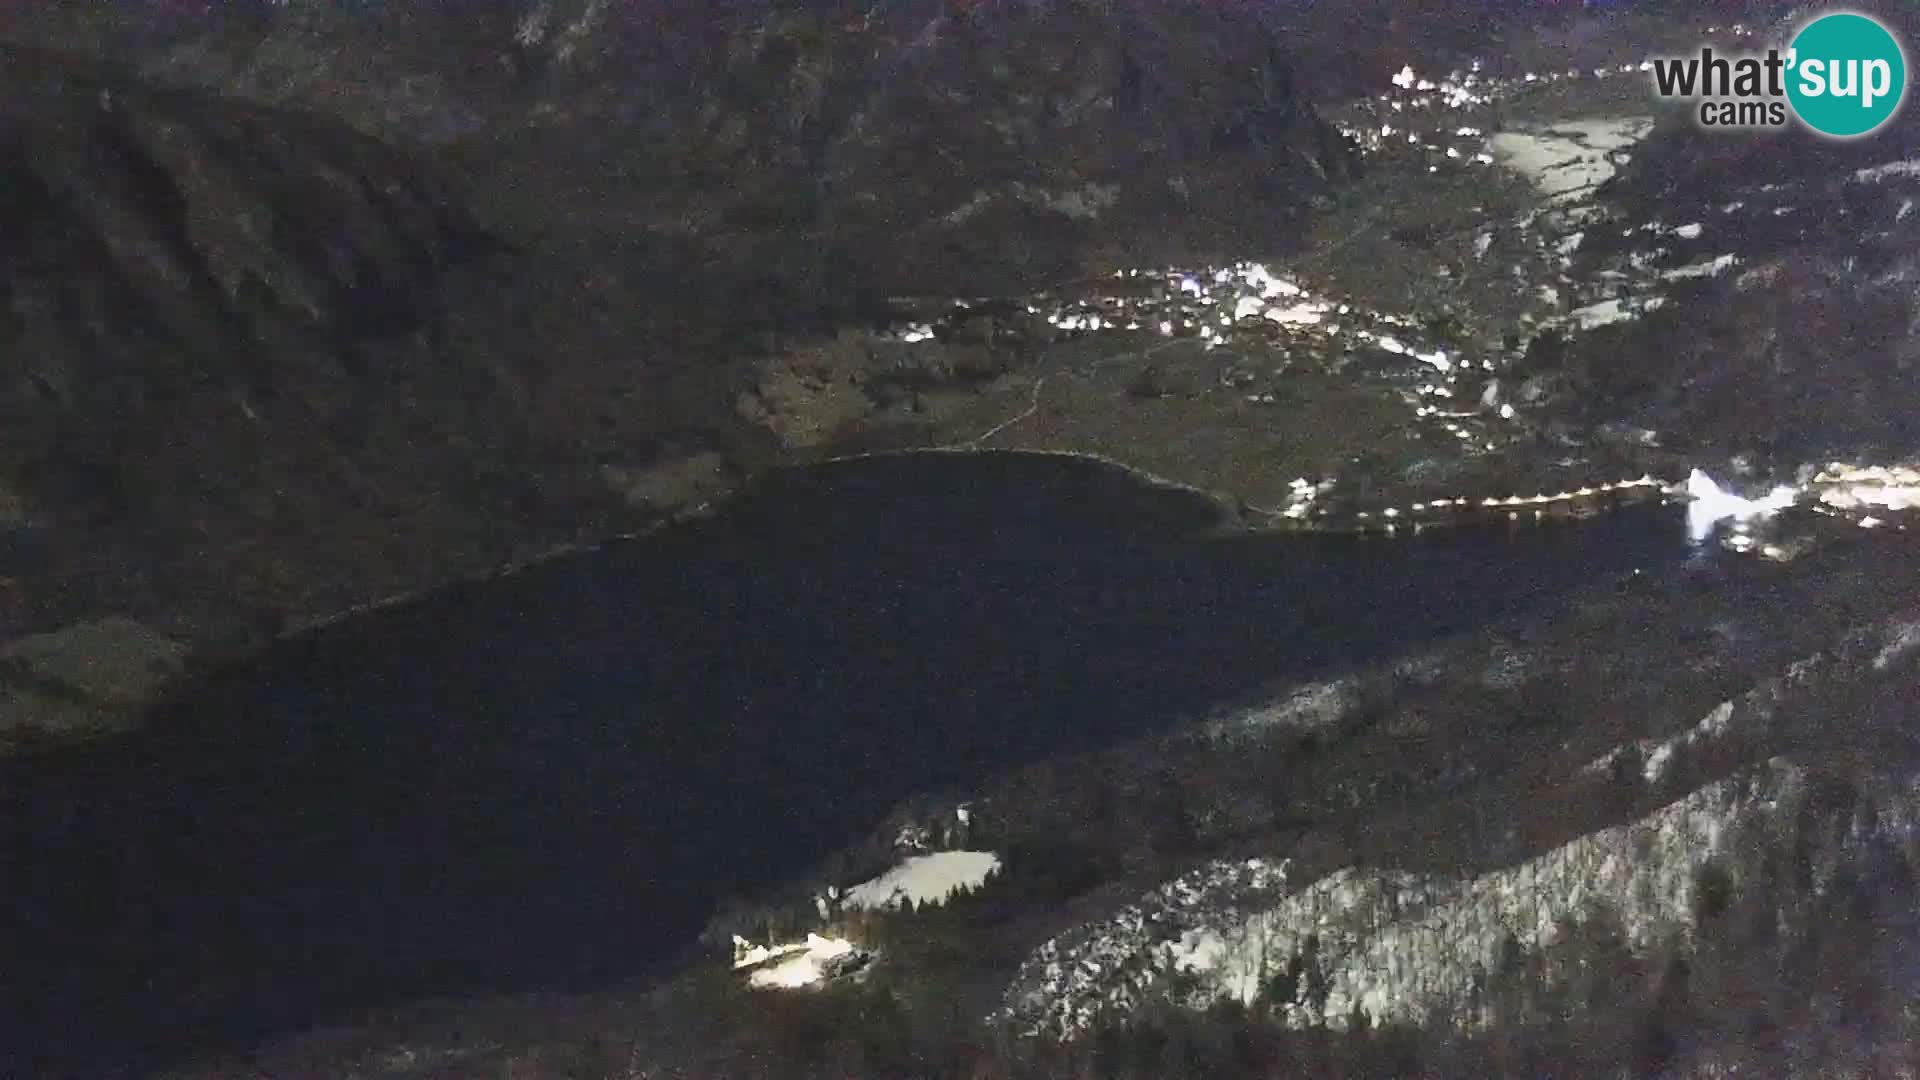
(924, 879)
(1570, 159)
(791, 966)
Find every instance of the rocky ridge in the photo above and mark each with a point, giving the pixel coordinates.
(1386, 948)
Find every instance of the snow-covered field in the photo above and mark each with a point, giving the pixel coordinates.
(924, 879)
(1568, 161)
(788, 967)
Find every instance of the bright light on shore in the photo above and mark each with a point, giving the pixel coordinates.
(1711, 505)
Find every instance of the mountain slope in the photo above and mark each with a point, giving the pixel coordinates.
(232, 393)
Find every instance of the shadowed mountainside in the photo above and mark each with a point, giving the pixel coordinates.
(232, 387)
(891, 147)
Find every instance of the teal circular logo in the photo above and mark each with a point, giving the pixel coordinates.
(1846, 75)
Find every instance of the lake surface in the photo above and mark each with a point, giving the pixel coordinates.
(548, 779)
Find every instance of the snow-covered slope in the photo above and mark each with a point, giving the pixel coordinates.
(1390, 947)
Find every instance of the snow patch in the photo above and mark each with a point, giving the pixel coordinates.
(1570, 160)
(1607, 312)
(1716, 724)
(794, 966)
(1903, 639)
(1312, 708)
(924, 879)
(1875, 173)
(1719, 265)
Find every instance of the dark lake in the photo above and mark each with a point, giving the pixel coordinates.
(548, 779)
